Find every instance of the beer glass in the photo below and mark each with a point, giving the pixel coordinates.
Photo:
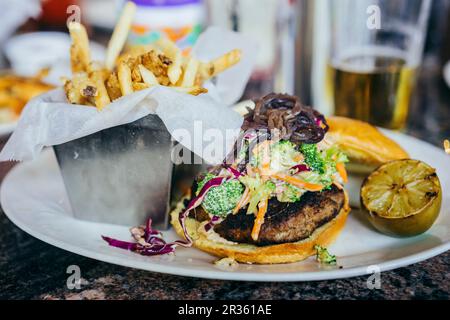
(375, 50)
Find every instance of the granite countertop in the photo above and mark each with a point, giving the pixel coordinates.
(32, 269)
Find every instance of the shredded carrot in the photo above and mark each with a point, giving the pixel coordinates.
(298, 183)
(242, 201)
(338, 185)
(259, 220)
(340, 167)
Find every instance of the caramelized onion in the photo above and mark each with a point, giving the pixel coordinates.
(292, 120)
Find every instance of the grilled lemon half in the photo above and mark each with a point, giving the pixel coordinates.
(402, 198)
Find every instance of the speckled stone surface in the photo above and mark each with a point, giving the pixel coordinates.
(31, 269)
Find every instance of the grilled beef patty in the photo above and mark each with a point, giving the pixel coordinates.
(284, 222)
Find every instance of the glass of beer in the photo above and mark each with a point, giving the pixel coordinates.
(375, 50)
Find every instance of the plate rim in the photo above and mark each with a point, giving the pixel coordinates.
(218, 274)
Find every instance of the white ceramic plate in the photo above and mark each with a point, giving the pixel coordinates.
(33, 197)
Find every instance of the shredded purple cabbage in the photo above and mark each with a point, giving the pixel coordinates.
(195, 202)
(149, 242)
(214, 220)
(234, 172)
(132, 246)
(300, 168)
(250, 135)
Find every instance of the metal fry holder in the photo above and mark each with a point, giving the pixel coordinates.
(124, 175)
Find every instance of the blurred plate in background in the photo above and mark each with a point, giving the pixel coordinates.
(108, 8)
(29, 53)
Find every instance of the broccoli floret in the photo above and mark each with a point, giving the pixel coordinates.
(221, 200)
(313, 157)
(200, 184)
(290, 194)
(322, 163)
(323, 256)
(334, 155)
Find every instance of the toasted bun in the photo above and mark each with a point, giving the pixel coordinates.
(366, 147)
(248, 253)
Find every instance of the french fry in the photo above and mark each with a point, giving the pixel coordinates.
(190, 73)
(195, 91)
(171, 50)
(80, 90)
(44, 72)
(120, 34)
(216, 66)
(99, 67)
(124, 76)
(135, 73)
(147, 76)
(140, 86)
(137, 50)
(79, 51)
(102, 98)
(158, 64)
(113, 87)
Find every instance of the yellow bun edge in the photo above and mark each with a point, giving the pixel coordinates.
(273, 254)
(363, 143)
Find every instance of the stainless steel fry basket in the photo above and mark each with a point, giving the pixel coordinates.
(123, 175)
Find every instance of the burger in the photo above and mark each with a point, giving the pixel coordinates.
(277, 197)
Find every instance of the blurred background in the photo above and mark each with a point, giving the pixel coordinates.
(386, 62)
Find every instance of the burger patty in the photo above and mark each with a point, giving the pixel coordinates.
(284, 222)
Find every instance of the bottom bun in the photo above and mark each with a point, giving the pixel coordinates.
(248, 253)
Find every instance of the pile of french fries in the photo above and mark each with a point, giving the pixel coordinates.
(16, 91)
(140, 67)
